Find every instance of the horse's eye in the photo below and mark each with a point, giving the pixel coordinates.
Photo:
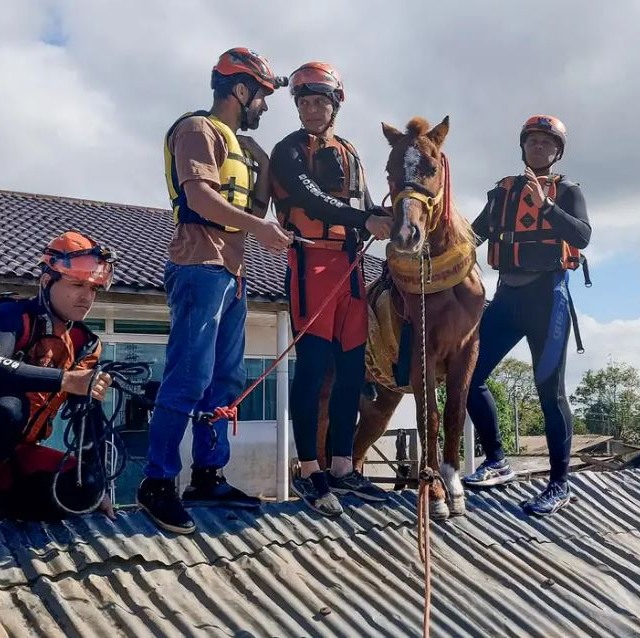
(427, 167)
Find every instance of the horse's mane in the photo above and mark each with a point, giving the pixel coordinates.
(418, 126)
(459, 229)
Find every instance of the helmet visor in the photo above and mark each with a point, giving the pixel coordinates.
(314, 77)
(86, 268)
(94, 265)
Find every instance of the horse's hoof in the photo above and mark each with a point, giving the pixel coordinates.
(438, 510)
(457, 506)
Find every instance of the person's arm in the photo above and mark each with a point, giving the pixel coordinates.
(290, 169)
(480, 225)
(198, 152)
(17, 377)
(204, 199)
(568, 217)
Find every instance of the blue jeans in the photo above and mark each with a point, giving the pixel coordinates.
(204, 368)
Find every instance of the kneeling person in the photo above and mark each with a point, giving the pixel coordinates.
(47, 354)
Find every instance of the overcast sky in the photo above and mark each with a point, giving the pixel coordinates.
(89, 88)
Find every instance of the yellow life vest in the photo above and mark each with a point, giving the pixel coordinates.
(236, 176)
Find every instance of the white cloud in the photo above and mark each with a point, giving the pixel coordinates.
(612, 341)
(87, 119)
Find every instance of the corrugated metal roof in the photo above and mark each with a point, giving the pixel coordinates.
(140, 235)
(288, 572)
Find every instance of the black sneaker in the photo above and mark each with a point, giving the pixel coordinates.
(159, 499)
(314, 491)
(358, 485)
(210, 489)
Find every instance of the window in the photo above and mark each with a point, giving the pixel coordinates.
(134, 413)
(133, 416)
(95, 325)
(126, 326)
(260, 405)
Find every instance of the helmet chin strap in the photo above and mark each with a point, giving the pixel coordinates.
(244, 110)
(44, 298)
(336, 108)
(558, 156)
(541, 168)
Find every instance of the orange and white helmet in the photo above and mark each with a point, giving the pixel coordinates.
(242, 60)
(75, 256)
(317, 77)
(545, 124)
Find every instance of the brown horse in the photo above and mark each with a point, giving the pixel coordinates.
(433, 283)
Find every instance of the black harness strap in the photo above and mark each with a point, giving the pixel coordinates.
(302, 278)
(574, 323)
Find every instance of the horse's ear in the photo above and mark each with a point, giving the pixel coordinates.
(392, 134)
(439, 132)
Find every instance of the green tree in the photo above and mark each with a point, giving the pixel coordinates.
(517, 379)
(505, 415)
(608, 401)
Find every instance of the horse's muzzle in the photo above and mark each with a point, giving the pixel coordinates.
(407, 238)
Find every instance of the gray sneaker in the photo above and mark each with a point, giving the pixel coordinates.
(314, 491)
(490, 473)
(358, 485)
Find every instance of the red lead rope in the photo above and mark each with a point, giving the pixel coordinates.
(231, 412)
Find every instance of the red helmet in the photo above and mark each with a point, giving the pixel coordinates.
(545, 124)
(75, 256)
(317, 77)
(242, 60)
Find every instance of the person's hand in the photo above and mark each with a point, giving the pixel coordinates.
(379, 225)
(272, 236)
(381, 211)
(79, 381)
(106, 507)
(533, 188)
(256, 151)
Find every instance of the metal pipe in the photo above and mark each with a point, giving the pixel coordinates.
(282, 403)
(469, 446)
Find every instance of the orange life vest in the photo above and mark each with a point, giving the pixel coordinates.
(292, 217)
(77, 348)
(520, 238)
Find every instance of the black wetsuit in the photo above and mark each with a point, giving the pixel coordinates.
(535, 306)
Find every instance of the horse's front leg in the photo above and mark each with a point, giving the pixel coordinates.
(374, 420)
(459, 370)
(424, 372)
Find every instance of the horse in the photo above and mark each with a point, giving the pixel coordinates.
(427, 304)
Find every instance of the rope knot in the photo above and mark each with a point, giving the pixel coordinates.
(230, 413)
(427, 475)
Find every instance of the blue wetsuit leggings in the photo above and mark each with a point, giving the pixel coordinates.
(540, 312)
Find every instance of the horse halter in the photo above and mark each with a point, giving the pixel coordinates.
(419, 193)
(413, 190)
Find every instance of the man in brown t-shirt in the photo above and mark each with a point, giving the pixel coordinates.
(216, 201)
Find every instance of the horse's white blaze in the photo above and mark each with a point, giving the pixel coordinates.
(452, 479)
(405, 229)
(411, 161)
